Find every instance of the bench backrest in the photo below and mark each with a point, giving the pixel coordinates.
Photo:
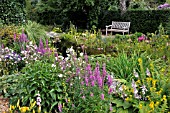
(121, 25)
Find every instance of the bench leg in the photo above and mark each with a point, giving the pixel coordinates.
(123, 33)
(106, 31)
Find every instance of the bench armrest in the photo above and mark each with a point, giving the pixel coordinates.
(108, 26)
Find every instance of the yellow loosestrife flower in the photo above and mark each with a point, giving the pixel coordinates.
(151, 66)
(148, 98)
(127, 99)
(18, 103)
(154, 82)
(138, 82)
(140, 106)
(140, 60)
(24, 109)
(148, 79)
(164, 97)
(32, 105)
(33, 111)
(157, 103)
(151, 105)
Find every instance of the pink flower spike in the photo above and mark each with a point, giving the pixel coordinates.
(102, 96)
(111, 107)
(91, 94)
(15, 36)
(60, 107)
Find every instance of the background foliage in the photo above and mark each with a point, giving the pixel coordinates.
(12, 11)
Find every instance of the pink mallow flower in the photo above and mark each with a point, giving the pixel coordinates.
(141, 38)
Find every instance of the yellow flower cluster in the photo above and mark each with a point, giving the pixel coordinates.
(140, 106)
(148, 79)
(159, 92)
(151, 105)
(151, 66)
(23, 109)
(154, 82)
(140, 60)
(164, 98)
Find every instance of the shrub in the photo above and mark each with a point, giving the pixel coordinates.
(12, 12)
(40, 77)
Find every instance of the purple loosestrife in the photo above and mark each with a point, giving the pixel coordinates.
(86, 57)
(15, 37)
(102, 96)
(92, 83)
(87, 81)
(91, 94)
(110, 90)
(104, 72)
(97, 71)
(109, 80)
(60, 107)
(88, 69)
(100, 82)
(41, 49)
(23, 37)
(2, 45)
(77, 71)
(111, 109)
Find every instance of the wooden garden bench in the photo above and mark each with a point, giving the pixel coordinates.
(118, 27)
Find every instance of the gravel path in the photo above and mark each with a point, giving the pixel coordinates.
(4, 104)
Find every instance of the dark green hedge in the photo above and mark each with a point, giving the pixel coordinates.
(141, 21)
(12, 11)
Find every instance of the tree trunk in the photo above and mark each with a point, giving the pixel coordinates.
(122, 6)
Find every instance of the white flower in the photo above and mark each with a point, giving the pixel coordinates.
(135, 74)
(67, 59)
(53, 65)
(60, 75)
(56, 58)
(121, 88)
(148, 72)
(30, 42)
(61, 57)
(81, 54)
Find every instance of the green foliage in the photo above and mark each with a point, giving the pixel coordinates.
(43, 78)
(12, 12)
(82, 13)
(167, 27)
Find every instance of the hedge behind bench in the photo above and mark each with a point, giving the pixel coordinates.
(141, 20)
